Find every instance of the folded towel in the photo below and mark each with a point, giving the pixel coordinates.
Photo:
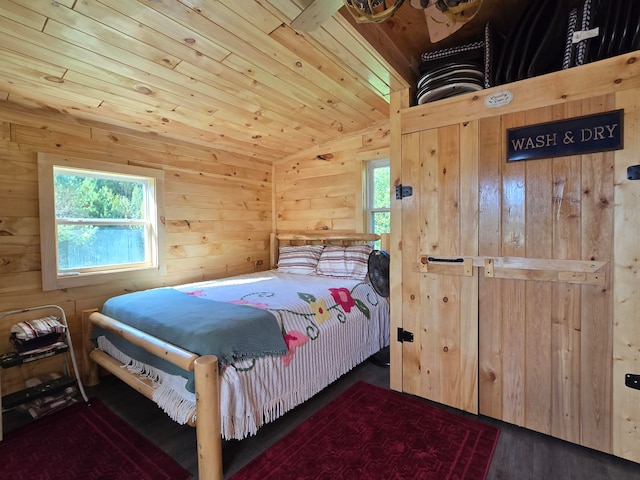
(35, 334)
(50, 403)
(37, 328)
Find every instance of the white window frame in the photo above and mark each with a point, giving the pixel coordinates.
(369, 194)
(52, 278)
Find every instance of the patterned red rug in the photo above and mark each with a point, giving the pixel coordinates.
(84, 442)
(372, 433)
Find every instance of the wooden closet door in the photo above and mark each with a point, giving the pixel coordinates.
(440, 298)
(545, 303)
(519, 327)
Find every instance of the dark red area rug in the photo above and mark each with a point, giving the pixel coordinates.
(371, 433)
(84, 442)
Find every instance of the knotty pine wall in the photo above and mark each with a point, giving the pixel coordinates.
(321, 189)
(218, 205)
(218, 211)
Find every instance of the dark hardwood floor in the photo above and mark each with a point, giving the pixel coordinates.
(520, 455)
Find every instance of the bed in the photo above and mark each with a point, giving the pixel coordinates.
(317, 318)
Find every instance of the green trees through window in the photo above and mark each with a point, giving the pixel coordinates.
(378, 196)
(100, 221)
(88, 197)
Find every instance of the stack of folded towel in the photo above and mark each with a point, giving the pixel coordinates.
(36, 334)
(50, 403)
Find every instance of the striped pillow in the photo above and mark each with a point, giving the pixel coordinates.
(302, 259)
(349, 262)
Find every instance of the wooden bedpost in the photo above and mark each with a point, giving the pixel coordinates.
(208, 418)
(89, 369)
(273, 250)
(385, 241)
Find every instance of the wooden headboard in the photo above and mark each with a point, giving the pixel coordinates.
(321, 238)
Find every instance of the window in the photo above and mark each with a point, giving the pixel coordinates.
(378, 196)
(98, 221)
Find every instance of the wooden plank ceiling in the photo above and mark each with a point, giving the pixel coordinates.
(225, 73)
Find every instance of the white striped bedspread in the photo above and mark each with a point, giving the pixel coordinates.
(330, 325)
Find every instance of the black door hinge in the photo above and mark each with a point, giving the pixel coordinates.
(404, 336)
(633, 172)
(403, 191)
(632, 381)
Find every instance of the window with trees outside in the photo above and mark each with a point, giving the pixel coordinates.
(97, 220)
(378, 197)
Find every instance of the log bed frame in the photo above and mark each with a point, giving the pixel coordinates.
(205, 368)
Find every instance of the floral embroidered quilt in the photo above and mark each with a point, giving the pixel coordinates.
(329, 325)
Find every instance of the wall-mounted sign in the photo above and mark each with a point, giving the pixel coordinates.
(498, 99)
(592, 133)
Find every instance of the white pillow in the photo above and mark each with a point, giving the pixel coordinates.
(349, 262)
(302, 259)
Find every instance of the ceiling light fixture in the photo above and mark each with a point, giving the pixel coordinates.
(372, 11)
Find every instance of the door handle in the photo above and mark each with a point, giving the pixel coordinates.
(460, 266)
(447, 260)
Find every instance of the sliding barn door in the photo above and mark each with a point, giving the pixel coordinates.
(440, 292)
(545, 302)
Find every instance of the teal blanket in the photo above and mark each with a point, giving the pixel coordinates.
(206, 327)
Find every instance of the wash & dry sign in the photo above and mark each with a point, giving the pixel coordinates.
(592, 133)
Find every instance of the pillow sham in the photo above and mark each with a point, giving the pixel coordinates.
(300, 259)
(349, 262)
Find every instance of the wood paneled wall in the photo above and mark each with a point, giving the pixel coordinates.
(218, 209)
(321, 188)
(218, 205)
